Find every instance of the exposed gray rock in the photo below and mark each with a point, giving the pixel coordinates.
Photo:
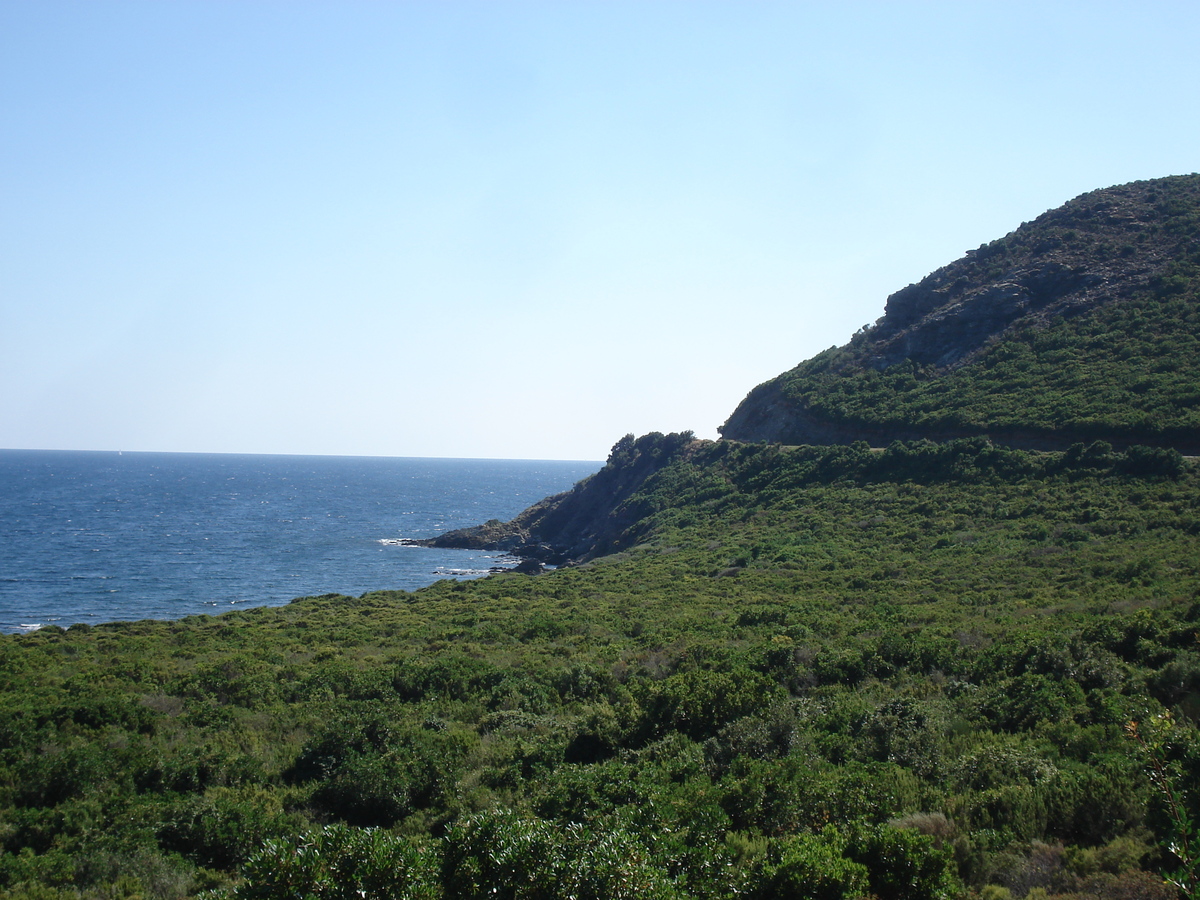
(589, 520)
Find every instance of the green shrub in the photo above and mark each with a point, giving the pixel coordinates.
(503, 855)
(809, 867)
(339, 863)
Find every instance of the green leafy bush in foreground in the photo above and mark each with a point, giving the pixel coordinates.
(339, 863)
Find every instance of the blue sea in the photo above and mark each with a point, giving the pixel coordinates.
(98, 537)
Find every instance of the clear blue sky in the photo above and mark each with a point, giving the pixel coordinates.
(506, 229)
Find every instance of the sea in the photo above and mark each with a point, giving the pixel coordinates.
(99, 537)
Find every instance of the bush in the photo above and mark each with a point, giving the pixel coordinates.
(500, 855)
(339, 863)
(809, 867)
(902, 864)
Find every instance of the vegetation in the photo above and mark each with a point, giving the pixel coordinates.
(811, 672)
(1086, 376)
(1081, 325)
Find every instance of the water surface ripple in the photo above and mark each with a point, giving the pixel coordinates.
(97, 537)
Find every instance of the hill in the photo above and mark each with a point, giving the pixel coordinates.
(593, 518)
(1083, 324)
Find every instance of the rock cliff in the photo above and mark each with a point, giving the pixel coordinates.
(589, 520)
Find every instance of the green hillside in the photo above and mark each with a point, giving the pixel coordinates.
(1081, 325)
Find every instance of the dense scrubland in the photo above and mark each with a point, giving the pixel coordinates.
(809, 672)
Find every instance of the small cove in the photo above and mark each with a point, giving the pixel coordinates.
(103, 536)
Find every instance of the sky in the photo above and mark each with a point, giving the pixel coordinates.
(518, 229)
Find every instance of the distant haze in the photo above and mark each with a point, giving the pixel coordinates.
(517, 230)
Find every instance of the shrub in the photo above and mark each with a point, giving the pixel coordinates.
(339, 863)
(809, 867)
(500, 855)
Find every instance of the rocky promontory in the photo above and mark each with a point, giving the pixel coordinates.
(587, 521)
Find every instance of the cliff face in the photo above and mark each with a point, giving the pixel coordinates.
(1135, 244)
(589, 520)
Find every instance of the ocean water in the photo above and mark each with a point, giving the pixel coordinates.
(100, 537)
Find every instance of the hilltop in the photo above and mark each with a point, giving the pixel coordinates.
(1081, 325)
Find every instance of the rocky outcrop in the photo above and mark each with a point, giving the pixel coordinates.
(944, 326)
(1099, 247)
(591, 519)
